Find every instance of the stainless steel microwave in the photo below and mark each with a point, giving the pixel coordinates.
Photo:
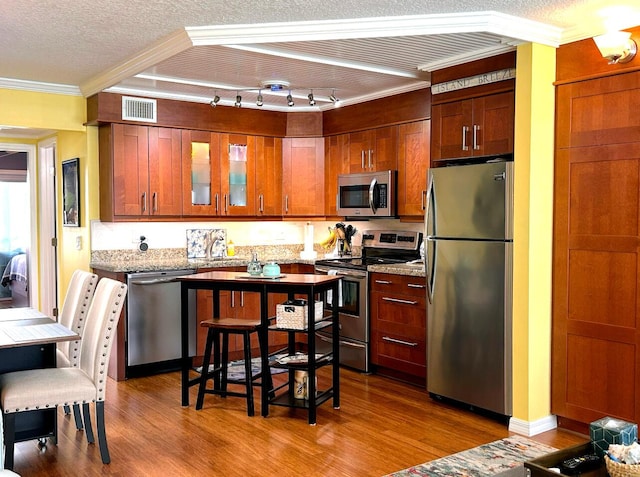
(369, 194)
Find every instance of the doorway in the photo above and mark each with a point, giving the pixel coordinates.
(40, 268)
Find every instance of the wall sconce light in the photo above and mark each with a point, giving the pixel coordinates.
(238, 102)
(259, 100)
(617, 46)
(215, 100)
(290, 99)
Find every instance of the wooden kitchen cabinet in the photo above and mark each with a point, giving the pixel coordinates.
(475, 127)
(596, 243)
(397, 308)
(413, 164)
(336, 163)
(303, 176)
(140, 172)
(268, 177)
(373, 150)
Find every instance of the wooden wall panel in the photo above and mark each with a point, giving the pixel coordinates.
(397, 109)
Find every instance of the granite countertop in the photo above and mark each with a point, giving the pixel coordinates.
(128, 261)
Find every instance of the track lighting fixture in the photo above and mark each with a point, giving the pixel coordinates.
(275, 92)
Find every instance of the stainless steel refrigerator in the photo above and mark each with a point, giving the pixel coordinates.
(469, 250)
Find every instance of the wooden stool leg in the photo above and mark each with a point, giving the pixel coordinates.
(205, 368)
(248, 378)
(224, 365)
(216, 358)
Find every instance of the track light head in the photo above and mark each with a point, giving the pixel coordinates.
(312, 101)
(333, 97)
(290, 99)
(238, 102)
(215, 100)
(259, 100)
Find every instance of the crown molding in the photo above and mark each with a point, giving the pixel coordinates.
(39, 87)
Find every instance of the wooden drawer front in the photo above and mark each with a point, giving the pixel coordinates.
(399, 314)
(397, 352)
(398, 284)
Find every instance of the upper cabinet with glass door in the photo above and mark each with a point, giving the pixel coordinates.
(238, 174)
(201, 173)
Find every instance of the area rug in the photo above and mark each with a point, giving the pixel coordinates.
(503, 458)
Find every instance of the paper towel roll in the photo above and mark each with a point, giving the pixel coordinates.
(308, 237)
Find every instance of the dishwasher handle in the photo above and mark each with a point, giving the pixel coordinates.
(154, 281)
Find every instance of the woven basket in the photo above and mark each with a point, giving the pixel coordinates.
(616, 469)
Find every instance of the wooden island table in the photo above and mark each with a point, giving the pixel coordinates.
(310, 286)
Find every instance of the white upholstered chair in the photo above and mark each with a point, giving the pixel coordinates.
(46, 388)
(72, 315)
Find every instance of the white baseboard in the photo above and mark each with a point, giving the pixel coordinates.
(531, 428)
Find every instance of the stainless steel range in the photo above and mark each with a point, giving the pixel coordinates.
(379, 247)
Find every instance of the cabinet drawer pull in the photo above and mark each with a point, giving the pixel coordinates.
(398, 300)
(416, 285)
(384, 282)
(476, 144)
(465, 130)
(393, 340)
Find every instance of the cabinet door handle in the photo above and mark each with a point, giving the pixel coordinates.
(398, 300)
(416, 285)
(362, 159)
(384, 282)
(154, 199)
(144, 202)
(476, 131)
(286, 204)
(261, 206)
(465, 130)
(217, 202)
(226, 208)
(370, 157)
(233, 299)
(242, 299)
(422, 200)
(393, 340)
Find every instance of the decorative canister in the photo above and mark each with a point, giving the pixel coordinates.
(271, 269)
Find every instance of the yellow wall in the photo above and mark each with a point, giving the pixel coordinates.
(533, 228)
(65, 115)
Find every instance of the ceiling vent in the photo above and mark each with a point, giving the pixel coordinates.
(139, 109)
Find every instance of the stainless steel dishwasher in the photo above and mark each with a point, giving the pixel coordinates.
(153, 321)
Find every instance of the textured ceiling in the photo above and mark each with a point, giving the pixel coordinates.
(194, 49)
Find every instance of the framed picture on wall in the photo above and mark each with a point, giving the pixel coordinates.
(71, 193)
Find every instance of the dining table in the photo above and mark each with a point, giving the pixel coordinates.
(295, 285)
(28, 340)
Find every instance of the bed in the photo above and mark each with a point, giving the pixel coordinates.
(15, 279)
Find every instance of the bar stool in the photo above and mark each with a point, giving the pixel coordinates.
(220, 329)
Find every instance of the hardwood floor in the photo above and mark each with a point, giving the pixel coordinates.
(382, 426)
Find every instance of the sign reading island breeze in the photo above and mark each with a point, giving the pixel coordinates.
(471, 81)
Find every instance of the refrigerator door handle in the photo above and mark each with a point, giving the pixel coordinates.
(372, 189)
(429, 260)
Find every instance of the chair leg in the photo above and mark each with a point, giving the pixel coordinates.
(205, 369)
(77, 417)
(86, 412)
(102, 435)
(9, 439)
(248, 378)
(224, 365)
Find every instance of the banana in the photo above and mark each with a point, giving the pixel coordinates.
(330, 241)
